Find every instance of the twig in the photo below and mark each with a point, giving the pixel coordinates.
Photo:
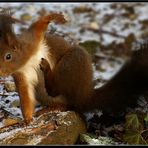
(146, 130)
(119, 60)
(100, 31)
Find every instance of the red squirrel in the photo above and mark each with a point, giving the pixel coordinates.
(45, 66)
(20, 56)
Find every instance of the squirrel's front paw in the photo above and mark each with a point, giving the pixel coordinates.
(44, 64)
(28, 119)
(25, 122)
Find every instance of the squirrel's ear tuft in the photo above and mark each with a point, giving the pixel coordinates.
(40, 26)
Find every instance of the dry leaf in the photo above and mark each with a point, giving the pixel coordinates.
(9, 121)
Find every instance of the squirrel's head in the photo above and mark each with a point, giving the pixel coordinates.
(16, 50)
(8, 43)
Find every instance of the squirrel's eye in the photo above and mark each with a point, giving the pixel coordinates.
(8, 57)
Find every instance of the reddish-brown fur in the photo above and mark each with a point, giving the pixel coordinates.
(67, 71)
(120, 92)
(72, 74)
(27, 105)
(22, 48)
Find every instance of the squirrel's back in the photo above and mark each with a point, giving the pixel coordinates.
(72, 71)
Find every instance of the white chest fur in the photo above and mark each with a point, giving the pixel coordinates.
(31, 69)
